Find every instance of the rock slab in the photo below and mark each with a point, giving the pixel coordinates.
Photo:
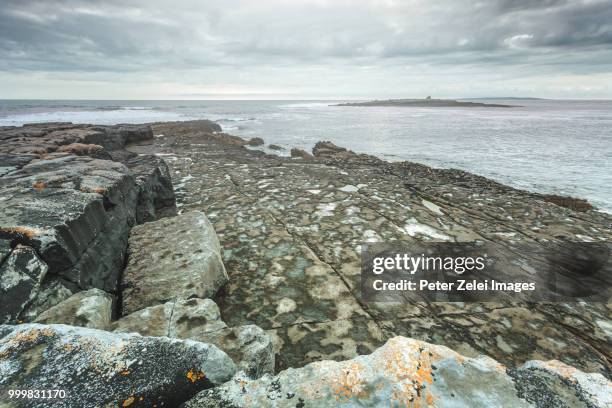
(107, 369)
(172, 258)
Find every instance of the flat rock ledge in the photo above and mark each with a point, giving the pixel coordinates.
(98, 368)
(411, 373)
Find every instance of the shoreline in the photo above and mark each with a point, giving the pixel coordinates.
(559, 199)
(177, 230)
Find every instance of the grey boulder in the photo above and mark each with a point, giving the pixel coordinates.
(172, 258)
(107, 369)
(91, 308)
(199, 319)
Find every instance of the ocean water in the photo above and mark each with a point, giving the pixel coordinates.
(552, 146)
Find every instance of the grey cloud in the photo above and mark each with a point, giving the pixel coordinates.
(171, 37)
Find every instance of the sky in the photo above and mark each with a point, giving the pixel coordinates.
(305, 49)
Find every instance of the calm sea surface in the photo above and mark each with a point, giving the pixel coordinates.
(562, 147)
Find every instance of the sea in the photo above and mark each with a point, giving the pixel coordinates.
(550, 146)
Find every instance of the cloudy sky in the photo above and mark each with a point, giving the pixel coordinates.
(293, 49)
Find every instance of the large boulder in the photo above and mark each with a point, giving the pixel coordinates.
(326, 149)
(172, 258)
(301, 154)
(256, 141)
(75, 211)
(98, 368)
(21, 276)
(199, 319)
(404, 372)
(91, 308)
(65, 198)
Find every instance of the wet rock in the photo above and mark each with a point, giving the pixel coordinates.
(91, 308)
(324, 149)
(199, 319)
(275, 147)
(105, 368)
(256, 141)
(21, 275)
(577, 204)
(302, 154)
(404, 372)
(173, 258)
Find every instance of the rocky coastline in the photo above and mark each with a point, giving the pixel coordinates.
(170, 265)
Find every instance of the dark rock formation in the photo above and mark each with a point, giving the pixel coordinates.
(73, 206)
(172, 258)
(256, 141)
(98, 368)
(275, 147)
(327, 149)
(576, 204)
(302, 154)
(155, 192)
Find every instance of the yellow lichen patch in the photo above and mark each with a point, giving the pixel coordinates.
(410, 369)
(125, 372)
(128, 402)
(39, 185)
(350, 382)
(194, 376)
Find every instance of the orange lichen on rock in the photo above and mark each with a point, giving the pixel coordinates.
(23, 231)
(39, 186)
(411, 370)
(350, 383)
(194, 376)
(97, 190)
(128, 402)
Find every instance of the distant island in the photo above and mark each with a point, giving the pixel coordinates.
(428, 102)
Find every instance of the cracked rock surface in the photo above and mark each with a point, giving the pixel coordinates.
(291, 231)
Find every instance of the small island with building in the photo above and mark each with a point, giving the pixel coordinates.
(428, 102)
